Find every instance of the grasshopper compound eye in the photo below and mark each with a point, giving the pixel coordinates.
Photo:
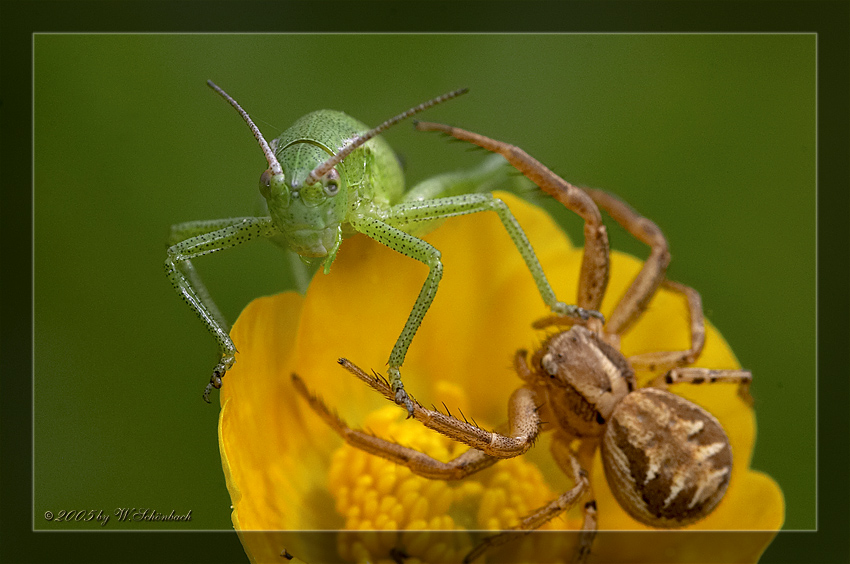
(331, 183)
(265, 182)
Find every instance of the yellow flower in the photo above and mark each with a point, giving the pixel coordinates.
(286, 470)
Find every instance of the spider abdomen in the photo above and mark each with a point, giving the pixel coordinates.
(668, 460)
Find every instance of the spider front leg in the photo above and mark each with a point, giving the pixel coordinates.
(636, 299)
(523, 419)
(487, 447)
(593, 278)
(644, 286)
(469, 462)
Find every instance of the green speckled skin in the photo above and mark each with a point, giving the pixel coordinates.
(372, 171)
(364, 193)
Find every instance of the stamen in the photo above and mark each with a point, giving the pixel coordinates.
(372, 493)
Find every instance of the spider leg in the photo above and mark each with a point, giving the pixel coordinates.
(588, 533)
(694, 375)
(665, 360)
(634, 302)
(569, 462)
(586, 450)
(523, 419)
(593, 278)
(469, 462)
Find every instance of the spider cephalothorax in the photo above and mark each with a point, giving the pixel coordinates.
(583, 378)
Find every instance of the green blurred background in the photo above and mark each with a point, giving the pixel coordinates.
(710, 136)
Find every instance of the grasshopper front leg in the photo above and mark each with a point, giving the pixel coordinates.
(405, 214)
(416, 248)
(197, 238)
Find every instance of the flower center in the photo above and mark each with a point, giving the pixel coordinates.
(374, 494)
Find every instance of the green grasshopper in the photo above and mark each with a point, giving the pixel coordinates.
(330, 176)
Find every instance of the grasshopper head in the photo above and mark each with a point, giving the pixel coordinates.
(308, 215)
(302, 204)
(306, 195)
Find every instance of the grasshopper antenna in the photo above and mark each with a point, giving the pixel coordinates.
(356, 142)
(274, 166)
